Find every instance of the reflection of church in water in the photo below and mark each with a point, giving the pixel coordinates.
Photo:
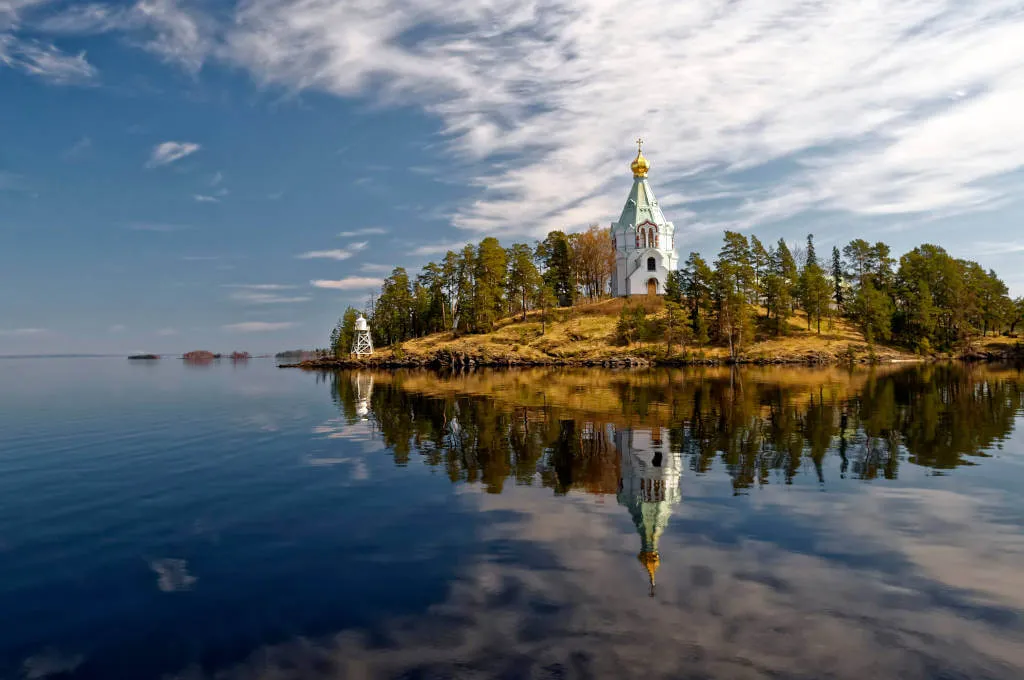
(649, 486)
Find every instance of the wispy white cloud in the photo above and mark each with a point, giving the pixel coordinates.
(259, 286)
(376, 268)
(438, 248)
(257, 326)
(204, 198)
(335, 254)
(261, 298)
(34, 56)
(177, 31)
(347, 283)
(797, 106)
(23, 331)
(368, 231)
(45, 61)
(906, 110)
(169, 152)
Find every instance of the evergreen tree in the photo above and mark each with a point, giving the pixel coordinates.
(393, 312)
(556, 255)
(698, 280)
(837, 278)
(674, 287)
(814, 290)
(523, 277)
(491, 269)
(872, 310)
(778, 287)
(466, 289)
(733, 282)
(450, 278)
(761, 260)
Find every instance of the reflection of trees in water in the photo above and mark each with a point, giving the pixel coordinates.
(938, 416)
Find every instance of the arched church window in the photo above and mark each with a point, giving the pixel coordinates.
(643, 238)
(638, 239)
(650, 237)
(651, 264)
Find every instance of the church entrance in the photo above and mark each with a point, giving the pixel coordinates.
(652, 286)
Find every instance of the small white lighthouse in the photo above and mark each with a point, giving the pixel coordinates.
(362, 344)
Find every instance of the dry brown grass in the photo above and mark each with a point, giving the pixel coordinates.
(587, 332)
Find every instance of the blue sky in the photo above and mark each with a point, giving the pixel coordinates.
(181, 174)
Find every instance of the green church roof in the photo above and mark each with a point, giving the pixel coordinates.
(641, 206)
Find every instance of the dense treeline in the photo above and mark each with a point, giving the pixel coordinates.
(926, 300)
(936, 416)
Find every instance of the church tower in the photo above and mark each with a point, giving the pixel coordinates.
(644, 242)
(649, 476)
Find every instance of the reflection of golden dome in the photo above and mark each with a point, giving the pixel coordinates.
(639, 166)
(651, 561)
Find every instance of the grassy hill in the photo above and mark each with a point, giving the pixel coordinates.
(585, 335)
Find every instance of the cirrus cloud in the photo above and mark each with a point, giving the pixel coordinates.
(843, 106)
(782, 107)
(347, 283)
(166, 153)
(335, 254)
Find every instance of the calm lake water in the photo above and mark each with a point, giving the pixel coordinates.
(240, 521)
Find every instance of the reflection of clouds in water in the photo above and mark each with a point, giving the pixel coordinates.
(958, 540)
(48, 663)
(362, 431)
(573, 603)
(172, 575)
(359, 470)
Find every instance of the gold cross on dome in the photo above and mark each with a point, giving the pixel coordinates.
(639, 144)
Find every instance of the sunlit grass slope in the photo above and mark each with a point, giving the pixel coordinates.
(587, 333)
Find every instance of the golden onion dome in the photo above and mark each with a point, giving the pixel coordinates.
(639, 166)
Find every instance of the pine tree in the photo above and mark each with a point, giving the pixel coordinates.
(491, 269)
(777, 287)
(761, 259)
(556, 255)
(466, 289)
(674, 287)
(733, 278)
(837, 278)
(523, 277)
(698, 280)
(814, 290)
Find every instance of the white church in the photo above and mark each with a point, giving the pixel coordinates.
(644, 241)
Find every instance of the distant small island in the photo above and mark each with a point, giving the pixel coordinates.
(200, 356)
(144, 357)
